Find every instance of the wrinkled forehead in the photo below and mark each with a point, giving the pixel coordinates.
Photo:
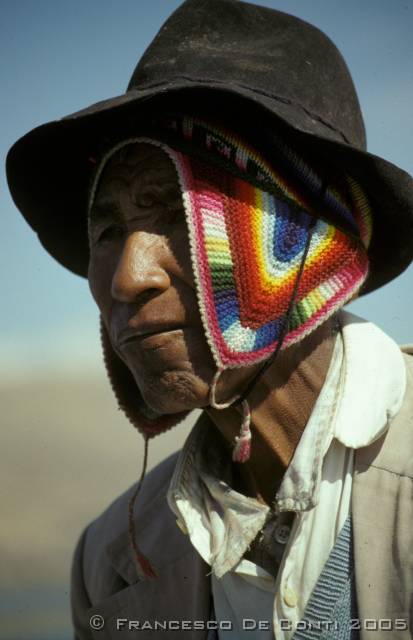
(127, 161)
(136, 157)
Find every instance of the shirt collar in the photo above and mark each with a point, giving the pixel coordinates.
(374, 382)
(220, 522)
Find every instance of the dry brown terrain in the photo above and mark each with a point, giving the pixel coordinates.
(66, 453)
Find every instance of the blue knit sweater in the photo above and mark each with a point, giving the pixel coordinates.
(333, 606)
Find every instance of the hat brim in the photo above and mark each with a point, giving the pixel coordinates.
(49, 169)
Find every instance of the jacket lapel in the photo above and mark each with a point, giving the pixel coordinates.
(180, 592)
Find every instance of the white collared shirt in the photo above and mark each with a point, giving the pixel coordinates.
(364, 388)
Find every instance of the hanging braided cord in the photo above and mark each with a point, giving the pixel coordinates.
(141, 560)
(286, 322)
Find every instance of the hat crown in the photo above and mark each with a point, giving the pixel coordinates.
(269, 52)
(271, 74)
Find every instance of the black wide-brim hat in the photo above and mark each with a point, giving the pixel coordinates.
(254, 69)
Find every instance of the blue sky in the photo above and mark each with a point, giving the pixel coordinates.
(60, 56)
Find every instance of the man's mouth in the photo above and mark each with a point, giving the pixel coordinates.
(128, 335)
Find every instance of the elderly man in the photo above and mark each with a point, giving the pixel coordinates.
(224, 210)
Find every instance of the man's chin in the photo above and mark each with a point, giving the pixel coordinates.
(174, 392)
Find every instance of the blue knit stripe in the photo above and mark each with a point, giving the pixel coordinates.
(333, 598)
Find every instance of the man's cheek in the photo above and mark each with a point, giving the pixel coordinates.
(100, 288)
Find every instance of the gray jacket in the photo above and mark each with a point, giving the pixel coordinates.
(104, 578)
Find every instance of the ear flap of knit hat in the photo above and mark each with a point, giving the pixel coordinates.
(246, 247)
(128, 396)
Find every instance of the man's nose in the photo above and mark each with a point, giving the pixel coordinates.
(139, 268)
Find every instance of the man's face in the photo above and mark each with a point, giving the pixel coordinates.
(141, 278)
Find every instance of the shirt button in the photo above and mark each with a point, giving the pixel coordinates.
(282, 533)
(290, 597)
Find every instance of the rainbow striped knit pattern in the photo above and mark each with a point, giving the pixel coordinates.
(247, 244)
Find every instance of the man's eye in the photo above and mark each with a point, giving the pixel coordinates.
(112, 232)
(162, 197)
(146, 200)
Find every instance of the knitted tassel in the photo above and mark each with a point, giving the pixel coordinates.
(242, 449)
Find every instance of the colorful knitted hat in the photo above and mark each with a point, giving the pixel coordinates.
(275, 251)
(248, 223)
